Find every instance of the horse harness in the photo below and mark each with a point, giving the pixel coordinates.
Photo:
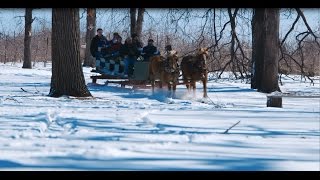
(169, 69)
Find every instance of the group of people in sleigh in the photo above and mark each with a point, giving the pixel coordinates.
(131, 51)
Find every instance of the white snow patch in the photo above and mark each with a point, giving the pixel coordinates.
(126, 129)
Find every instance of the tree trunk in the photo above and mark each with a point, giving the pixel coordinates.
(271, 56)
(5, 48)
(140, 22)
(46, 54)
(16, 47)
(136, 23)
(133, 20)
(27, 39)
(67, 75)
(91, 29)
(265, 50)
(257, 47)
(233, 39)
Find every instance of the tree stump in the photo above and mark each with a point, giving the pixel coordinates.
(94, 79)
(274, 101)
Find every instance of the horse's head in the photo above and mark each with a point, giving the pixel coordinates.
(203, 55)
(173, 61)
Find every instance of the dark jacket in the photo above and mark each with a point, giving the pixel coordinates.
(149, 51)
(97, 42)
(130, 50)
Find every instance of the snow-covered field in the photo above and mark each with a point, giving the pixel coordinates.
(125, 129)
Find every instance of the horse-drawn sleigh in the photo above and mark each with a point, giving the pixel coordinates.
(138, 80)
(157, 72)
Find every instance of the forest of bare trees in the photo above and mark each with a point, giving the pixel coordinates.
(228, 33)
(12, 44)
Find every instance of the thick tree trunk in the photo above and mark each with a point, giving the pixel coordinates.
(67, 75)
(133, 22)
(27, 39)
(257, 47)
(140, 21)
(91, 29)
(265, 51)
(271, 55)
(136, 23)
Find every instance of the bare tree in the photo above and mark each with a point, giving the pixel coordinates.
(91, 29)
(304, 56)
(258, 50)
(67, 75)
(136, 23)
(265, 52)
(140, 21)
(133, 21)
(27, 39)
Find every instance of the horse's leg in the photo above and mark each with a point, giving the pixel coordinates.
(169, 90)
(153, 84)
(193, 84)
(189, 85)
(185, 81)
(204, 81)
(174, 86)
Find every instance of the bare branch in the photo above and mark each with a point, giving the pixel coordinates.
(307, 25)
(153, 20)
(292, 27)
(225, 132)
(220, 35)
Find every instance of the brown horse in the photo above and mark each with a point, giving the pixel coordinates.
(166, 70)
(194, 68)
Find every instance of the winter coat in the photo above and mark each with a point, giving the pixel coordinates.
(130, 50)
(97, 42)
(149, 51)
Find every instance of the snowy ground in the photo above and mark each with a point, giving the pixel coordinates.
(125, 129)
